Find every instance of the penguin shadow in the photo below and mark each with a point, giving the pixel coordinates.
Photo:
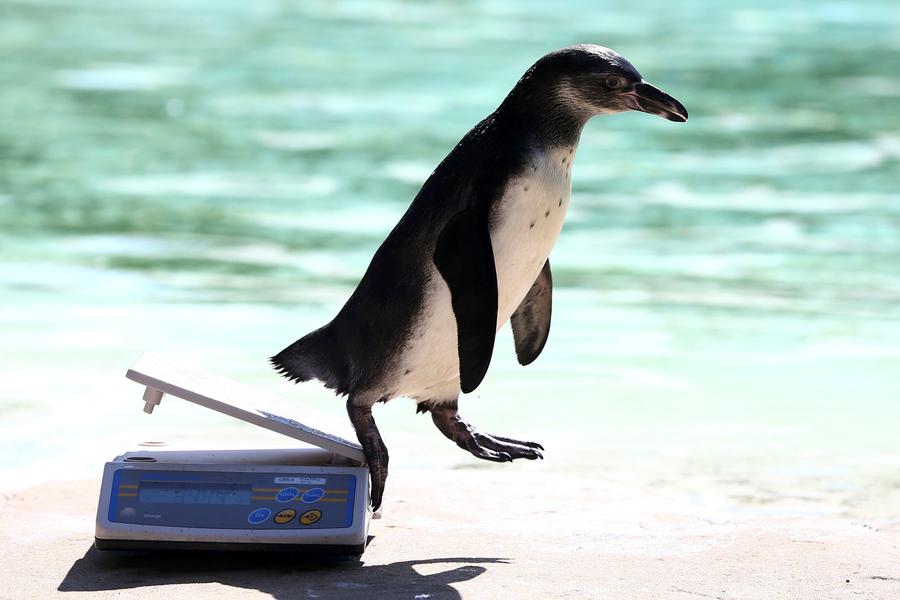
(282, 576)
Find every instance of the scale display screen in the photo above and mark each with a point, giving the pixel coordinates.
(172, 492)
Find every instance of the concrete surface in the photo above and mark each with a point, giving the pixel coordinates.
(476, 533)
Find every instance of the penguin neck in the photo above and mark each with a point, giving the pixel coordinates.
(543, 119)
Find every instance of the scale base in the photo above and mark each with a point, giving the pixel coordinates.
(321, 550)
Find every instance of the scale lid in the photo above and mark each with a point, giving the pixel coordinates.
(162, 376)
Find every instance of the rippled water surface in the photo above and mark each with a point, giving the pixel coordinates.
(211, 180)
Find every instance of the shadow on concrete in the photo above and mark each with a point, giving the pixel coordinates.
(281, 575)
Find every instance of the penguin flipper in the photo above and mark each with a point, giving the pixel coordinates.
(531, 320)
(464, 257)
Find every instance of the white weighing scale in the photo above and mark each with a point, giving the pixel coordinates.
(311, 500)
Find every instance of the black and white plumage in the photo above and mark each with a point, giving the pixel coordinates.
(470, 253)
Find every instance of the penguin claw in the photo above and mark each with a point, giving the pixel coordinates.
(534, 445)
(491, 447)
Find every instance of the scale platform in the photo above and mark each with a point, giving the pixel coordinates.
(312, 499)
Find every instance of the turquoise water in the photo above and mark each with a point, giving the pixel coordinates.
(211, 179)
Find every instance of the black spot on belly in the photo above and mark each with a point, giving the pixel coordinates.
(560, 200)
(407, 372)
(525, 188)
(531, 226)
(547, 213)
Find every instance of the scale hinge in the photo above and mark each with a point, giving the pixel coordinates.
(152, 397)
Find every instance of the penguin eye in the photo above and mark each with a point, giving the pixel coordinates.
(614, 82)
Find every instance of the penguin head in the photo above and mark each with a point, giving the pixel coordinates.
(589, 80)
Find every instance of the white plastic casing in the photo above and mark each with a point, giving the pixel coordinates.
(283, 462)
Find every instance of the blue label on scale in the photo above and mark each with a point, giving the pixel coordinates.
(227, 499)
(287, 494)
(259, 515)
(313, 495)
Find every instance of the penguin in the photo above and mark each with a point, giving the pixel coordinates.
(471, 253)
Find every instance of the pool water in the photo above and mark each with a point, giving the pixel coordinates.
(210, 180)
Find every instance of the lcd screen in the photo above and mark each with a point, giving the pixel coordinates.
(186, 492)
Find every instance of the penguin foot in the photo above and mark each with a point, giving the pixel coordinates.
(373, 447)
(481, 445)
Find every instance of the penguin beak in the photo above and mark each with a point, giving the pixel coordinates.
(650, 99)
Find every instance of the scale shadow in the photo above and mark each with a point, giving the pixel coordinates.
(283, 576)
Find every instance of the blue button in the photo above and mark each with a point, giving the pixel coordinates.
(259, 515)
(313, 495)
(287, 494)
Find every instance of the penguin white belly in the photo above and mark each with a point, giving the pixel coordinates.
(526, 222)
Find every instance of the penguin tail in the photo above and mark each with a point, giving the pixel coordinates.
(316, 355)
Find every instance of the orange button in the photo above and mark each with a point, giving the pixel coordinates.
(285, 516)
(310, 516)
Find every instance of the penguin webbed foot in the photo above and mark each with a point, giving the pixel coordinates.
(373, 447)
(481, 445)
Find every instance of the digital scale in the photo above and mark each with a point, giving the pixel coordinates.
(305, 499)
